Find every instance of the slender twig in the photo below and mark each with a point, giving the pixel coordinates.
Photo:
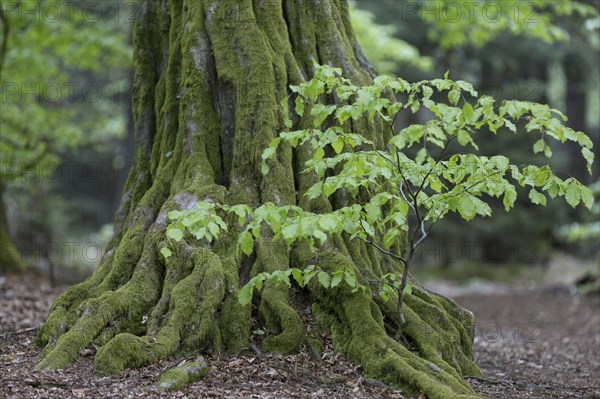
(382, 250)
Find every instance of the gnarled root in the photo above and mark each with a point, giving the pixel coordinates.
(441, 331)
(189, 303)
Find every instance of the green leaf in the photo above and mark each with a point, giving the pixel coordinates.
(407, 289)
(299, 106)
(175, 234)
(350, 279)
(589, 157)
(390, 237)
(298, 276)
(510, 195)
(537, 197)
(174, 215)
(315, 190)
(587, 196)
(338, 145)
(245, 294)
(324, 279)
(466, 207)
(166, 252)
(246, 243)
(467, 112)
(268, 153)
(539, 146)
(454, 96)
(264, 169)
(328, 222)
(319, 154)
(319, 235)
(573, 194)
(336, 279)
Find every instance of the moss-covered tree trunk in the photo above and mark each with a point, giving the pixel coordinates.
(208, 79)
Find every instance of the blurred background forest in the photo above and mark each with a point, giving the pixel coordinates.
(67, 131)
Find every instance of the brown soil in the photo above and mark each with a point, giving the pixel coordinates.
(541, 343)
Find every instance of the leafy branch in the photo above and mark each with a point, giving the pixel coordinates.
(397, 199)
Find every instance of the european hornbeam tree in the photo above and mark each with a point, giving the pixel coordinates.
(209, 79)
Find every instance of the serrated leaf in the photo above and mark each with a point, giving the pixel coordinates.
(328, 222)
(299, 106)
(467, 112)
(166, 252)
(246, 243)
(350, 279)
(324, 279)
(298, 276)
(336, 280)
(573, 194)
(539, 146)
(589, 157)
(319, 235)
(390, 237)
(338, 145)
(466, 207)
(315, 190)
(454, 96)
(587, 197)
(264, 169)
(289, 231)
(245, 294)
(174, 215)
(537, 197)
(175, 234)
(268, 153)
(510, 195)
(319, 154)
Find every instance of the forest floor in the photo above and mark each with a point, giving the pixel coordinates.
(534, 343)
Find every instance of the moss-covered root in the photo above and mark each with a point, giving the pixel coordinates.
(177, 378)
(357, 327)
(190, 317)
(274, 308)
(130, 301)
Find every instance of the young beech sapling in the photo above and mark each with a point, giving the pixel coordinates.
(392, 200)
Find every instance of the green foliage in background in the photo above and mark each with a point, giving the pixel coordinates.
(386, 52)
(64, 76)
(456, 23)
(54, 97)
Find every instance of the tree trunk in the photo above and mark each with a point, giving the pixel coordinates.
(209, 76)
(10, 258)
(576, 75)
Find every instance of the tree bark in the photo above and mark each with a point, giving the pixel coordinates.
(10, 258)
(209, 76)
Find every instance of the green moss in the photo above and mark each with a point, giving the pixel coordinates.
(192, 306)
(177, 378)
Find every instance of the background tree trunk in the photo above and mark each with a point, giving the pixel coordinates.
(10, 258)
(208, 79)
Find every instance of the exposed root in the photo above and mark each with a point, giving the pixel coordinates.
(130, 300)
(178, 377)
(274, 308)
(358, 329)
(193, 303)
